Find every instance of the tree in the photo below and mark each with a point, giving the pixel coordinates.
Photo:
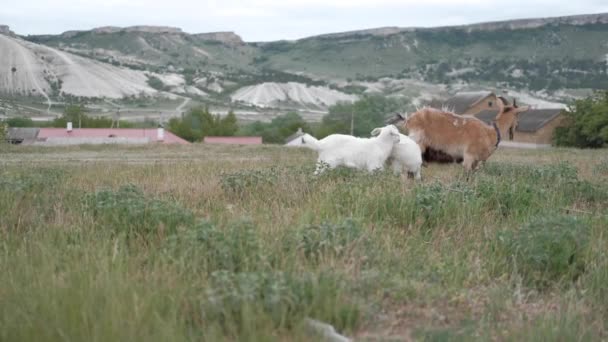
(586, 123)
(228, 125)
(77, 116)
(199, 122)
(277, 130)
(3, 132)
(365, 115)
(20, 122)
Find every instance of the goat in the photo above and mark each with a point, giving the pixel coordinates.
(461, 136)
(361, 153)
(406, 155)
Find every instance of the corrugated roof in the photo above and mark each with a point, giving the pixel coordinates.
(529, 121)
(297, 134)
(22, 133)
(233, 140)
(460, 102)
(135, 133)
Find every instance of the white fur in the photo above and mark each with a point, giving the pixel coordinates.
(406, 156)
(361, 153)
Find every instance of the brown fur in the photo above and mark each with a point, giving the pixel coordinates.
(460, 136)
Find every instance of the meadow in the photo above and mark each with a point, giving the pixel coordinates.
(173, 243)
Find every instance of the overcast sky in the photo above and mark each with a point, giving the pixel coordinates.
(264, 20)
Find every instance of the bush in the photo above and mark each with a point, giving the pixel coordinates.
(326, 239)
(586, 123)
(247, 181)
(276, 131)
(130, 212)
(550, 173)
(157, 83)
(547, 249)
(235, 248)
(235, 300)
(199, 123)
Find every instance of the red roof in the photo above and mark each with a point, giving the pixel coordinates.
(150, 133)
(233, 140)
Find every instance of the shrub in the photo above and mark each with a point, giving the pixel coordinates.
(129, 211)
(248, 180)
(532, 173)
(235, 248)
(585, 191)
(547, 249)
(327, 239)
(235, 300)
(601, 169)
(586, 123)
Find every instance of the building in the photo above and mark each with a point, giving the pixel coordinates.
(19, 135)
(468, 102)
(535, 127)
(295, 140)
(95, 136)
(233, 140)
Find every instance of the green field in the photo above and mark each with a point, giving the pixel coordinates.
(244, 243)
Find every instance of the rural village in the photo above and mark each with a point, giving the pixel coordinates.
(392, 184)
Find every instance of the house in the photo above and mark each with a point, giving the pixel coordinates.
(96, 136)
(233, 140)
(535, 127)
(295, 140)
(19, 135)
(468, 102)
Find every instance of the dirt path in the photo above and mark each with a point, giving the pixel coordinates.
(183, 104)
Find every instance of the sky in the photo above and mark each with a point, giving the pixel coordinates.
(268, 20)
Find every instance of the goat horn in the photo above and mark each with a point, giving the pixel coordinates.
(514, 103)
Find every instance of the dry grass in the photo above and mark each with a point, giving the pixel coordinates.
(242, 243)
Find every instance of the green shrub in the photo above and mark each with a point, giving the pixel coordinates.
(547, 250)
(585, 191)
(236, 300)
(129, 211)
(510, 198)
(532, 173)
(324, 239)
(25, 197)
(601, 169)
(248, 181)
(207, 247)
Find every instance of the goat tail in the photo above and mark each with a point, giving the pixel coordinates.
(310, 142)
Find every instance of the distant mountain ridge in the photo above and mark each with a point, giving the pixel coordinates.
(550, 59)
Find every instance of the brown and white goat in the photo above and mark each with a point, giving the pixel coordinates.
(461, 136)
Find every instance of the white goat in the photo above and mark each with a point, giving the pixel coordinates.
(361, 153)
(406, 155)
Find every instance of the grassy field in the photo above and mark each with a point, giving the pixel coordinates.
(243, 243)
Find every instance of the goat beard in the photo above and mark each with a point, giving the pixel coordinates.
(431, 155)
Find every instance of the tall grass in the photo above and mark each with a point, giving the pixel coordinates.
(245, 244)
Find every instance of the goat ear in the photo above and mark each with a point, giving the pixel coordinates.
(375, 132)
(401, 117)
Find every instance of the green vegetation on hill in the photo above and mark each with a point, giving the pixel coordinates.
(198, 123)
(553, 56)
(586, 123)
